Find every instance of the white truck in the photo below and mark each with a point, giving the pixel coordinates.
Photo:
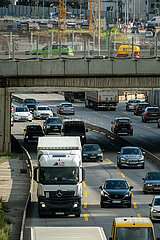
(70, 233)
(59, 176)
(106, 100)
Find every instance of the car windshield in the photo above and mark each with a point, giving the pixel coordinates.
(91, 148)
(131, 151)
(157, 202)
(54, 120)
(29, 101)
(115, 185)
(123, 121)
(62, 175)
(22, 109)
(153, 176)
(43, 108)
(132, 233)
(143, 105)
(34, 128)
(66, 105)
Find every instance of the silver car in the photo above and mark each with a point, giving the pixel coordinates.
(65, 108)
(130, 157)
(131, 104)
(154, 212)
(42, 112)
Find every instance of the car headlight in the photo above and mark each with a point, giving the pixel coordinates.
(104, 193)
(100, 154)
(149, 185)
(123, 159)
(154, 210)
(84, 154)
(48, 126)
(82, 136)
(127, 194)
(141, 158)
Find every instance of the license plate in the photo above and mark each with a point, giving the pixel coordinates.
(55, 127)
(93, 157)
(133, 162)
(124, 128)
(59, 213)
(156, 188)
(34, 137)
(116, 201)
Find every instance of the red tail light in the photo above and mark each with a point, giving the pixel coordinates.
(131, 124)
(72, 108)
(62, 108)
(147, 113)
(116, 124)
(130, 104)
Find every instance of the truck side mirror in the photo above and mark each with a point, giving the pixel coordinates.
(86, 129)
(83, 174)
(35, 174)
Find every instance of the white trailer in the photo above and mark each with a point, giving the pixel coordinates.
(59, 176)
(67, 233)
(102, 100)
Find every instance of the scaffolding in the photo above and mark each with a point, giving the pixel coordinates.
(94, 16)
(62, 20)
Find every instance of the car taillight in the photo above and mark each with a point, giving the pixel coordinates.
(62, 108)
(131, 124)
(72, 108)
(130, 104)
(147, 113)
(116, 125)
(138, 108)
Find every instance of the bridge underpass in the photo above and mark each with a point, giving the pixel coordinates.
(64, 75)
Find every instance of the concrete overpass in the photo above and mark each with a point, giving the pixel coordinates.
(54, 75)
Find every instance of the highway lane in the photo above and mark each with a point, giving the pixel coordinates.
(96, 173)
(146, 135)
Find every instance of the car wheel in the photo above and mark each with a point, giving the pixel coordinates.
(131, 134)
(158, 125)
(129, 205)
(142, 166)
(101, 160)
(102, 204)
(77, 215)
(142, 119)
(30, 120)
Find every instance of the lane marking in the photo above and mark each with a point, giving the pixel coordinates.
(134, 204)
(85, 193)
(84, 184)
(77, 115)
(108, 160)
(147, 127)
(96, 112)
(86, 217)
(22, 128)
(122, 175)
(132, 194)
(137, 116)
(40, 123)
(88, 119)
(100, 122)
(85, 205)
(105, 116)
(117, 167)
(125, 113)
(138, 214)
(143, 136)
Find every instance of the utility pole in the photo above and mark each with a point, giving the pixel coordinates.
(117, 13)
(133, 10)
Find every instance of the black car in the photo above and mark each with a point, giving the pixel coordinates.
(140, 107)
(31, 103)
(52, 124)
(92, 152)
(158, 123)
(116, 192)
(151, 182)
(32, 133)
(122, 125)
(151, 113)
(134, 29)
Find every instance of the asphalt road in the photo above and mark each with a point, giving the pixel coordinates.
(145, 134)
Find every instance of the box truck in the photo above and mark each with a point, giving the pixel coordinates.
(63, 233)
(106, 100)
(59, 176)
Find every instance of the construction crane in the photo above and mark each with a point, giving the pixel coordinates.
(62, 20)
(94, 16)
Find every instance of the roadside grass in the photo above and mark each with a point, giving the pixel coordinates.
(5, 223)
(6, 156)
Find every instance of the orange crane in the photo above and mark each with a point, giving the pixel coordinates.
(62, 20)
(94, 16)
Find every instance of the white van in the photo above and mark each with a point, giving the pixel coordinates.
(155, 20)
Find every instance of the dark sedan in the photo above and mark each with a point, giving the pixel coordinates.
(32, 132)
(116, 192)
(31, 103)
(140, 108)
(92, 152)
(151, 113)
(122, 125)
(52, 124)
(151, 182)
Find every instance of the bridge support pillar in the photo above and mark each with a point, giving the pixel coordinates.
(5, 118)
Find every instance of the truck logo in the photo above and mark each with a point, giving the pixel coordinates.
(59, 193)
(59, 164)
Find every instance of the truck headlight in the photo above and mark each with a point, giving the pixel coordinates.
(43, 205)
(75, 205)
(154, 211)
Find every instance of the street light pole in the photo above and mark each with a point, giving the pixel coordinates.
(43, 9)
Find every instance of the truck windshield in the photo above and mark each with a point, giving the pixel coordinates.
(60, 175)
(132, 233)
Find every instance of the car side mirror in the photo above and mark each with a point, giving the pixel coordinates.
(144, 153)
(119, 153)
(112, 122)
(150, 205)
(131, 187)
(100, 187)
(142, 178)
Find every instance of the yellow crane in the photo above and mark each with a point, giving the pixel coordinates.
(94, 16)
(62, 20)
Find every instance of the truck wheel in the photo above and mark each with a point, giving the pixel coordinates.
(77, 215)
(86, 105)
(102, 204)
